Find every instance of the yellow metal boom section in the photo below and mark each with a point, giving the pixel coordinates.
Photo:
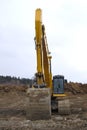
(43, 75)
(38, 32)
(46, 60)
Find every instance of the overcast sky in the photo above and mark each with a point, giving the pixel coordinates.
(66, 28)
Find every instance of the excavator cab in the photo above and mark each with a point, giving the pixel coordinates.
(58, 84)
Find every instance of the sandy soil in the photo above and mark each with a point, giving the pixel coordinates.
(13, 107)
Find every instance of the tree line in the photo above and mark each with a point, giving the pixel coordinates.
(15, 80)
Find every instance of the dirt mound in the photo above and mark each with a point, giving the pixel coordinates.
(10, 88)
(71, 88)
(75, 88)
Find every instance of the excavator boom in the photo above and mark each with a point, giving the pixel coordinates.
(43, 75)
(38, 42)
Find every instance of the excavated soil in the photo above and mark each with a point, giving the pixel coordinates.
(13, 109)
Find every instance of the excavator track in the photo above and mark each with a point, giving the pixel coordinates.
(64, 107)
(61, 107)
(39, 104)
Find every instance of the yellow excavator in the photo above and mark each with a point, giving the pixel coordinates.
(46, 90)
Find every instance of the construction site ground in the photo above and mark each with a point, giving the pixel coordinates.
(13, 108)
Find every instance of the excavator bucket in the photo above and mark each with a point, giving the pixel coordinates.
(39, 104)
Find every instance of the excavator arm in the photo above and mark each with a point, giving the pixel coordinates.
(46, 60)
(43, 75)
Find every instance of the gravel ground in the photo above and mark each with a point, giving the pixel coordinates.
(13, 107)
